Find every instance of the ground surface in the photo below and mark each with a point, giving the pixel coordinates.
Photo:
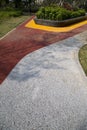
(8, 24)
(47, 89)
(23, 41)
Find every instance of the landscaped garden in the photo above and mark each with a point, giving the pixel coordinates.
(12, 14)
(59, 16)
(58, 13)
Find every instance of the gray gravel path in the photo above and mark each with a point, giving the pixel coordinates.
(47, 90)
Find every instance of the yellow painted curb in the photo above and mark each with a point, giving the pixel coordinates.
(32, 24)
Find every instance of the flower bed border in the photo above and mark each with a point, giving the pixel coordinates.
(59, 23)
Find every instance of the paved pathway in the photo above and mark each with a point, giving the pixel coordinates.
(46, 90)
(23, 41)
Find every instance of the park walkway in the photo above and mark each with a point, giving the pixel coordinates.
(47, 89)
(23, 41)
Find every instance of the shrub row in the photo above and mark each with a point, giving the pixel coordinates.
(58, 13)
(8, 14)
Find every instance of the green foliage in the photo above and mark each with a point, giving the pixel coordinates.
(15, 13)
(82, 12)
(78, 13)
(8, 8)
(7, 14)
(63, 14)
(59, 17)
(40, 15)
(58, 13)
(42, 9)
(75, 14)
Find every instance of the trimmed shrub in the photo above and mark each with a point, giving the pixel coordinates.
(75, 14)
(40, 15)
(59, 17)
(78, 13)
(63, 14)
(82, 12)
(58, 13)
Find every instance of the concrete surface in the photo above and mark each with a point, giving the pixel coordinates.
(47, 90)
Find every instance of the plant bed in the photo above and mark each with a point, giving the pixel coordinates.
(62, 23)
(58, 16)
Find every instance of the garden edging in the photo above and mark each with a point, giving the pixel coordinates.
(62, 23)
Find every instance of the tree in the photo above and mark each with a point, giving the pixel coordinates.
(17, 3)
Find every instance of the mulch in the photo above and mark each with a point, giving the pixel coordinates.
(23, 41)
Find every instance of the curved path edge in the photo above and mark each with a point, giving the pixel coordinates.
(23, 41)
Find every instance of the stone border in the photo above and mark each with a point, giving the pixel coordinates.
(59, 23)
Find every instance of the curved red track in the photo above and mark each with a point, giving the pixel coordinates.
(23, 41)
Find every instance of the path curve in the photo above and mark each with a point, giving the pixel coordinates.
(23, 41)
(46, 90)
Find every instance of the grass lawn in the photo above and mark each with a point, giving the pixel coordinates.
(83, 57)
(8, 24)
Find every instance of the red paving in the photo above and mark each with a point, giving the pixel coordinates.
(23, 41)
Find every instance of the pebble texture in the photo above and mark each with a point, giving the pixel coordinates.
(46, 90)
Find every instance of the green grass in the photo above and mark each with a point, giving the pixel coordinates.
(8, 23)
(83, 58)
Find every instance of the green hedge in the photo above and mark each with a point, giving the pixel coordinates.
(7, 14)
(58, 13)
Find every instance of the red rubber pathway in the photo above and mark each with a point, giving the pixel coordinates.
(23, 41)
